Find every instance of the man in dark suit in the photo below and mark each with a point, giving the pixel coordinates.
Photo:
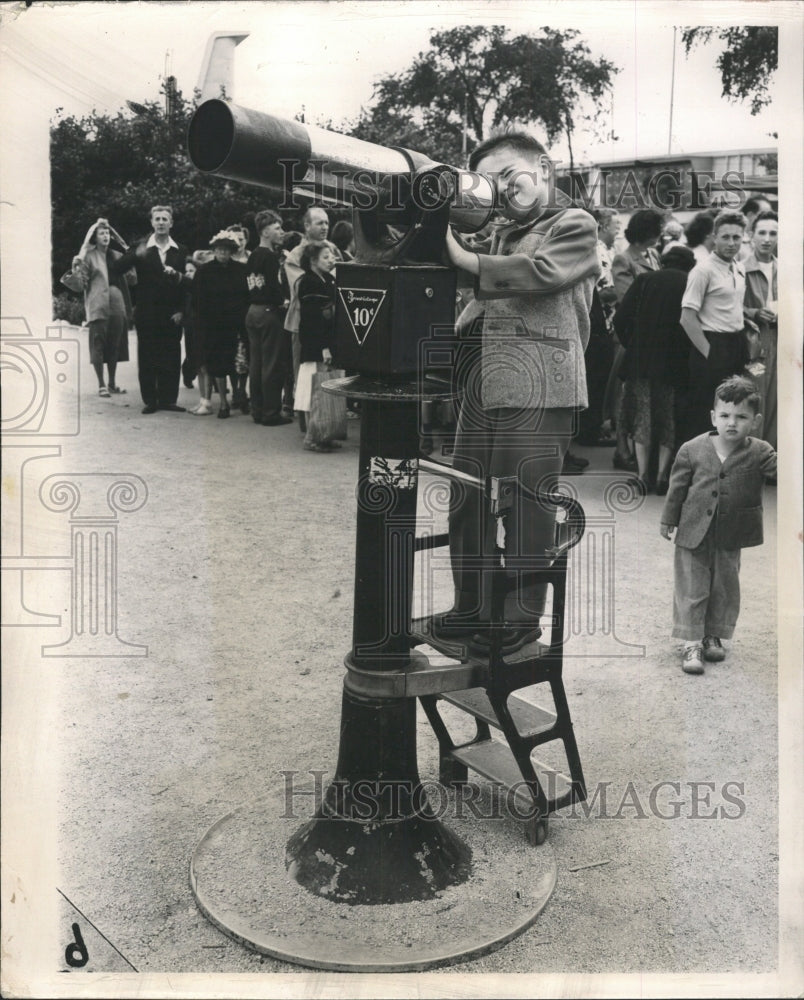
(159, 262)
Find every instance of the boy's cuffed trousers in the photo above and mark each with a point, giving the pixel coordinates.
(706, 596)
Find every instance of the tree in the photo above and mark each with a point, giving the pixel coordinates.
(747, 63)
(117, 166)
(475, 79)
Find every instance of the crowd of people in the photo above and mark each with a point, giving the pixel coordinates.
(656, 339)
(675, 310)
(260, 323)
(679, 311)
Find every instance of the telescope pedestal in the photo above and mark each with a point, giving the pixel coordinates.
(375, 837)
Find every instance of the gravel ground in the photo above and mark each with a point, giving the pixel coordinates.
(238, 573)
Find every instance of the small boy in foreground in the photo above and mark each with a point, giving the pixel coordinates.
(715, 501)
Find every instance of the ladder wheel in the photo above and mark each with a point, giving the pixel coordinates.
(536, 831)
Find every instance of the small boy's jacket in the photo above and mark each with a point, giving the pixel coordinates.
(702, 487)
(535, 291)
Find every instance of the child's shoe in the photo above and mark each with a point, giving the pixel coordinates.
(713, 650)
(692, 661)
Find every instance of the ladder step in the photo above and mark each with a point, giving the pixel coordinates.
(422, 676)
(529, 719)
(495, 761)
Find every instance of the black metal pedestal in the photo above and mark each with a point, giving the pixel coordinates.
(375, 838)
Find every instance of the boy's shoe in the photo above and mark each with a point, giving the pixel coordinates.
(692, 661)
(450, 626)
(515, 637)
(713, 650)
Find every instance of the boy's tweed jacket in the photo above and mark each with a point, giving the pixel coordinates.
(535, 291)
(703, 487)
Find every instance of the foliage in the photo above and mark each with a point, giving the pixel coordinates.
(69, 307)
(770, 161)
(747, 63)
(489, 80)
(118, 166)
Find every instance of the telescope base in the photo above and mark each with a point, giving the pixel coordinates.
(373, 863)
(240, 883)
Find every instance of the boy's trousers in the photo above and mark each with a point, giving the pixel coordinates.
(706, 598)
(531, 445)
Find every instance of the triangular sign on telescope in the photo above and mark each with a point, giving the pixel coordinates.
(362, 306)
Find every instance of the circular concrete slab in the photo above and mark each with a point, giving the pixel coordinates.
(240, 883)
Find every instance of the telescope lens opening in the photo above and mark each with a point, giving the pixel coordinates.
(211, 135)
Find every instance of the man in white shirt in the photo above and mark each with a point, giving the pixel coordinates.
(159, 262)
(712, 318)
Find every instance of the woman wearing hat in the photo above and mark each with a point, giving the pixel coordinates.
(220, 290)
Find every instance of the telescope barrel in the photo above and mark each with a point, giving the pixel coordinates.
(287, 157)
(258, 148)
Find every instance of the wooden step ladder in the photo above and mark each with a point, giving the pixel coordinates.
(492, 680)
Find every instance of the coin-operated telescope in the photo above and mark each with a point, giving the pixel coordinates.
(376, 837)
(396, 292)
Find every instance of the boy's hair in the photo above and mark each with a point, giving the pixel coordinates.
(752, 205)
(738, 389)
(312, 251)
(729, 219)
(765, 217)
(266, 218)
(161, 208)
(522, 142)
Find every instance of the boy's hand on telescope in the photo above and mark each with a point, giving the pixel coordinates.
(459, 257)
(667, 530)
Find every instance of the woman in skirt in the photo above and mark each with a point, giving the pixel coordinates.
(106, 302)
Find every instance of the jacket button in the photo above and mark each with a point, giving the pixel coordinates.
(714, 493)
(709, 513)
(722, 475)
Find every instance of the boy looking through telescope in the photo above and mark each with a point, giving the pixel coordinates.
(533, 292)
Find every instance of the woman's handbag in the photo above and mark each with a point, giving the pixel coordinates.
(327, 418)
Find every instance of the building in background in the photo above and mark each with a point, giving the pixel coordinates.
(680, 183)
